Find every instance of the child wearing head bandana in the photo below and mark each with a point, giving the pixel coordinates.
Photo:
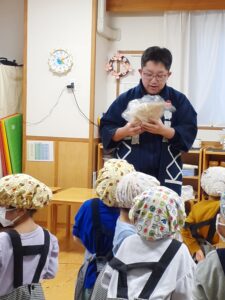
(152, 264)
(210, 273)
(199, 232)
(130, 186)
(28, 253)
(84, 230)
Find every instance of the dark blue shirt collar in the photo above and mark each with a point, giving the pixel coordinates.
(164, 92)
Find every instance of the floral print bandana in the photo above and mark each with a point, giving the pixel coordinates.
(23, 191)
(157, 213)
(213, 181)
(108, 178)
(132, 185)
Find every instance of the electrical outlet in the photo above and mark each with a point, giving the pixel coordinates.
(71, 83)
(70, 86)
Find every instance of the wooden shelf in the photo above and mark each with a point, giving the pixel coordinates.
(194, 151)
(191, 177)
(214, 151)
(144, 6)
(212, 154)
(100, 156)
(193, 157)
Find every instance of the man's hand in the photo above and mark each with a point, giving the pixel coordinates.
(128, 130)
(199, 255)
(133, 129)
(157, 127)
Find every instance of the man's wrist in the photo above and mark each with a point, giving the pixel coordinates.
(119, 134)
(168, 133)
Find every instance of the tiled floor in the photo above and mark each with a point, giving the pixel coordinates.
(70, 259)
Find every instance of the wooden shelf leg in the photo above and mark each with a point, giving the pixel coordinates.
(68, 212)
(49, 217)
(54, 218)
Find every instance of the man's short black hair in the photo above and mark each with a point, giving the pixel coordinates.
(158, 55)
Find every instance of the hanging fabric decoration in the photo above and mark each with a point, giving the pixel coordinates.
(124, 65)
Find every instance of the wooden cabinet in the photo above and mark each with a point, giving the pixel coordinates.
(193, 157)
(213, 156)
(102, 156)
(100, 161)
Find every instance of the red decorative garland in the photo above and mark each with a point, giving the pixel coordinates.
(123, 60)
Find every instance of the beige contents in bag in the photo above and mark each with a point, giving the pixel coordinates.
(144, 109)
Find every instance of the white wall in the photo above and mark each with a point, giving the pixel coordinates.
(11, 29)
(58, 24)
(102, 46)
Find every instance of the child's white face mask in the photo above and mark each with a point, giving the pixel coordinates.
(218, 223)
(5, 222)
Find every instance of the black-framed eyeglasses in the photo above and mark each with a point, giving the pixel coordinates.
(158, 77)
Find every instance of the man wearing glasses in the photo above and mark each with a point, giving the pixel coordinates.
(157, 151)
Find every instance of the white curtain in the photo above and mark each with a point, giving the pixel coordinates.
(176, 33)
(10, 90)
(197, 41)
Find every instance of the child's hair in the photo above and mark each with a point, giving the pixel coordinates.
(108, 178)
(131, 185)
(213, 181)
(23, 191)
(31, 212)
(157, 213)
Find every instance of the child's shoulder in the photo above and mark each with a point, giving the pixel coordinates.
(53, 238)
(211, 260)
(4, 238)
(35, 234)
(3, 235)
(88, 203)
(211, 203)
(87, 206)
